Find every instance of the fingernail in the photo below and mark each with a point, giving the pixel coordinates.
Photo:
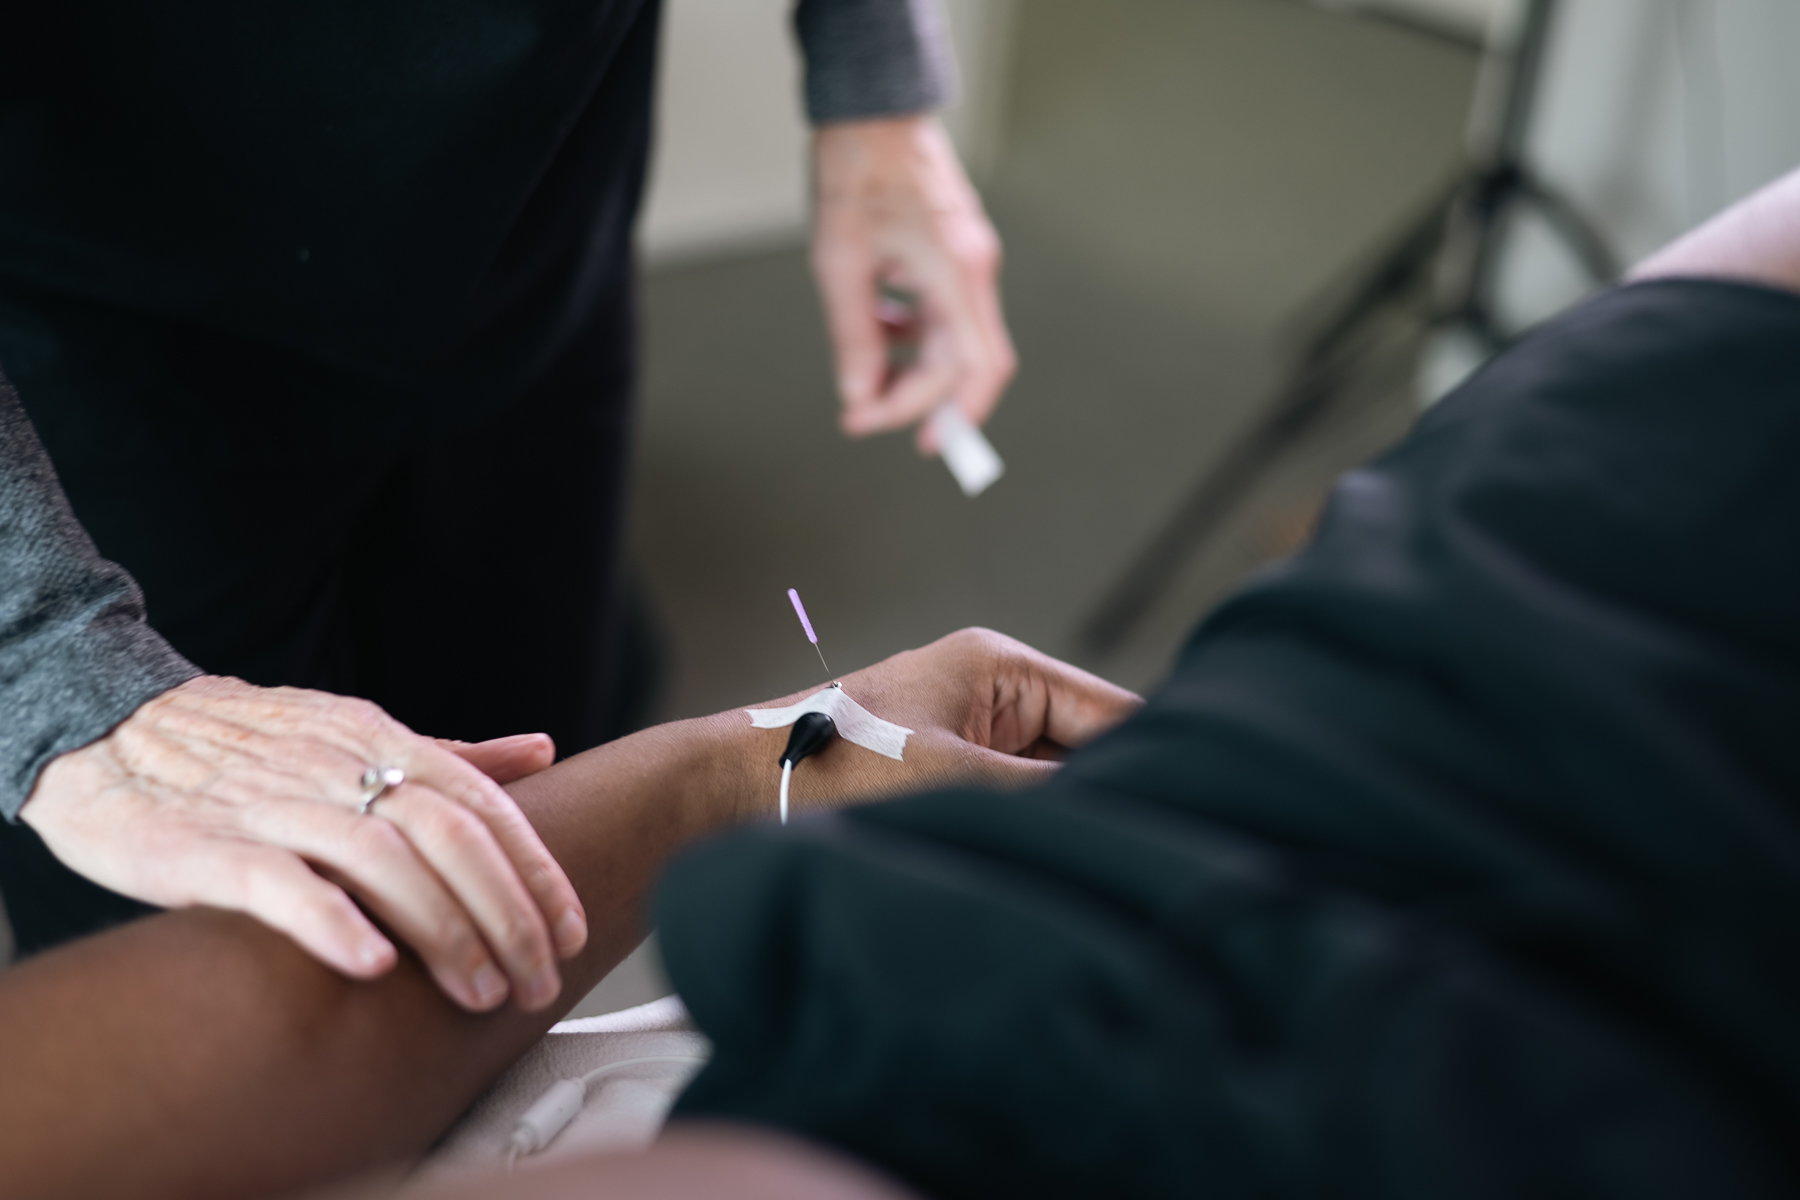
(373, 955)
(489, 985)
(542, 989)
(571, 931)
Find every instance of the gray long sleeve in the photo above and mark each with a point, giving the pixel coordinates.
(874, 58)
(75, 654)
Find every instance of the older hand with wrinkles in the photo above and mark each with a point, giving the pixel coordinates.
(239, 797)
(893, 208)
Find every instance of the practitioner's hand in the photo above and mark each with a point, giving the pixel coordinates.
(983, 708)
(240, 797)
(893, 206)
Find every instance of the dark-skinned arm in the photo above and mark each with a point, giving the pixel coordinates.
(198, 1053)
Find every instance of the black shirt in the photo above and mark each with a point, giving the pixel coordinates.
(371, 183)
(1458, 856)
(426, 192)
(313, 230)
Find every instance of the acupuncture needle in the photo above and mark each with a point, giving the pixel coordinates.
(812, 730)
(800, 611)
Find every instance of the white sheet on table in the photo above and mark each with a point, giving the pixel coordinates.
(624, 1111)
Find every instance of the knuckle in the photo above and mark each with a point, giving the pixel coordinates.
(539, 876)
(459, 829)
(356, 708)
(984, 644)
(483, 797)
(239, 881)
(520, 940)
(377, 841)
(982, 255)
(337, 907)
(972, 636)
(258, 884)
(977, 247)
(456, 941)
(364, 718)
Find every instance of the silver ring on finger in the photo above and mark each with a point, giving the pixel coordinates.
(376, 783)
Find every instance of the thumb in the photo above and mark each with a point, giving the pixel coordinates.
(1081, 705)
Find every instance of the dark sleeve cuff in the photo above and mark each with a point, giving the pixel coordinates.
(76, 656)
(78, 688)
(874, 58)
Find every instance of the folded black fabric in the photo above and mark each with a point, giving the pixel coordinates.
(1458, 856)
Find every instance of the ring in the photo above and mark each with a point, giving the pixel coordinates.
(375, 784)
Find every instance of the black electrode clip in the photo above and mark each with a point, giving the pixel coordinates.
(811, 731)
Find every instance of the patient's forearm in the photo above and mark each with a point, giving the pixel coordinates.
(1756, 240)
(197, 1053)
(201, 1054)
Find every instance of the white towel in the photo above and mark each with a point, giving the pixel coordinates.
(625, 1109)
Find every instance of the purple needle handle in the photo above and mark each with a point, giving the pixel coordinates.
(800, 611)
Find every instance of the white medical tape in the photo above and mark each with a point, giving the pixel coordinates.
(854, 722)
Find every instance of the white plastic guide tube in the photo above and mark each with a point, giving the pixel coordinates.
(968, 454)
(551, 1113)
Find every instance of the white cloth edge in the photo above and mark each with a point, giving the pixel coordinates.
(668, 1015)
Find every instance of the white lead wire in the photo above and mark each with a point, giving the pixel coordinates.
(551, 1113)
(787, 773)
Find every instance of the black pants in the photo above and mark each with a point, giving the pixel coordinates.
(294, 526)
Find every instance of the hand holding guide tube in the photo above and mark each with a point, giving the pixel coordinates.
(895, 210)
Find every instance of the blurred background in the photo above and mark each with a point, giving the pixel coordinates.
(1185, 189)
(1183, 186)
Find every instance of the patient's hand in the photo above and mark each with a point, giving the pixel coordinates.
(219, 793)
(984, 708)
